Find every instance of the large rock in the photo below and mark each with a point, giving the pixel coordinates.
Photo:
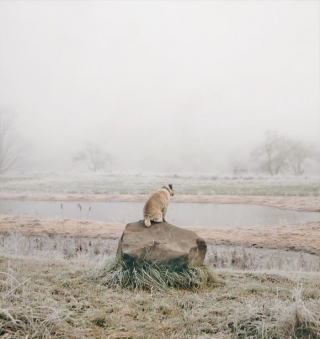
(160, 243)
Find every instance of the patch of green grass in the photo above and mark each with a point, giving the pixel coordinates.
(157, 277)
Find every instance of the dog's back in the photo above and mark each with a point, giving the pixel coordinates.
(156, 204)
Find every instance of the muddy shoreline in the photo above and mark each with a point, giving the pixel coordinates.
(300, 237)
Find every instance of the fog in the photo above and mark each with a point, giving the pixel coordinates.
(162, 85)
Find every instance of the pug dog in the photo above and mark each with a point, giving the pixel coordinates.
(156, 206)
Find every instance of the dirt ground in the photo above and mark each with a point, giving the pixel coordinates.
(298, 203)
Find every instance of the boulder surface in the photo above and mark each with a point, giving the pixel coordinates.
(161, 243)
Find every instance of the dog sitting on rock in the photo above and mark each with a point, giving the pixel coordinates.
(156, 206)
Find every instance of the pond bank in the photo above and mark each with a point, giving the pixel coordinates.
(301, 237)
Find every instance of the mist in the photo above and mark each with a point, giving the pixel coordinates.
(160, 86)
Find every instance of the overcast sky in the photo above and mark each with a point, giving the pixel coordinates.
(161, 85)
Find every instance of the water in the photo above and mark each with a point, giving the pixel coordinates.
(179, 214)
(58, 247)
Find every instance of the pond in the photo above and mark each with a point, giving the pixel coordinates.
(179, 214)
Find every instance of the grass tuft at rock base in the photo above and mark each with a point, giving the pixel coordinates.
(157, 277)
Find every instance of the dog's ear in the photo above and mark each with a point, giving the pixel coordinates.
(170, 186)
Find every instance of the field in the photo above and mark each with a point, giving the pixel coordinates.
(187, 184)
(65, 299)
(51, 282)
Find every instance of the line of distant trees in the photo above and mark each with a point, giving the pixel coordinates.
(277, 154)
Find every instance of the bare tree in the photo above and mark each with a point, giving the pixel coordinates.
(272, 155)
(299, 153)
(11, 146)
(94, 157)
(238, 168)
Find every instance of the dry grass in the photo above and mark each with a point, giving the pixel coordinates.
(43, 299)
(25, 311)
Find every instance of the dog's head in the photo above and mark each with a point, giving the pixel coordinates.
(169, 188)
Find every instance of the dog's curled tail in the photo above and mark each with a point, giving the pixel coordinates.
(147, 221)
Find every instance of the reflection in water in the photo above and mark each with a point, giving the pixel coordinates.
(180, 214)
